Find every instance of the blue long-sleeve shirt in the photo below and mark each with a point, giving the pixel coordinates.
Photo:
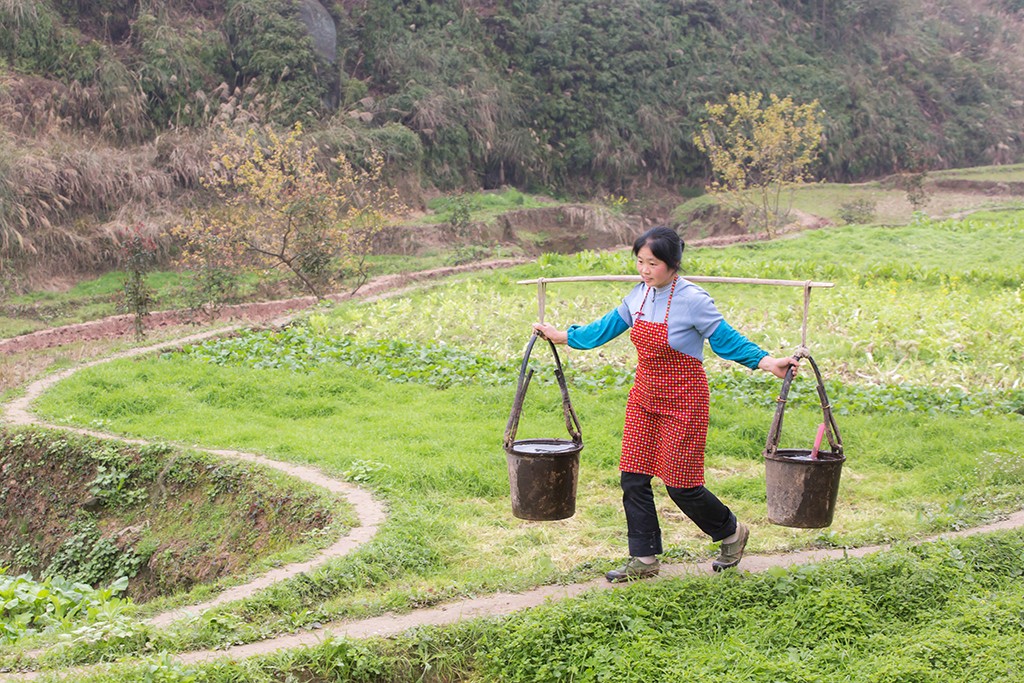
(692, 318)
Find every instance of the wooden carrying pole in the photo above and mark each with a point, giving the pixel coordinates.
(807, 285)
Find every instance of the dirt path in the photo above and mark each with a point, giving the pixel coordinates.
(277, 311)
(371, 515)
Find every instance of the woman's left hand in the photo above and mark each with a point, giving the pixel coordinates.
(551, 333)
(779, 366)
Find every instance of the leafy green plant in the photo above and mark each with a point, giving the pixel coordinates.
(110, 487)
(89, 557)
(300, 348)
(857, 211)
(138, 256)
(28, 607)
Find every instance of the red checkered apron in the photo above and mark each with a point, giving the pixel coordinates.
(667, 411)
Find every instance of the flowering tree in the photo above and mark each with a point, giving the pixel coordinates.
(757, 151)
(280, 209)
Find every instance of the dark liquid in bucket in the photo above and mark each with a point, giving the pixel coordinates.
(535, 448)
(806, 457)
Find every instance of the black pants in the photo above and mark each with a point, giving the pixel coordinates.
(700, 505)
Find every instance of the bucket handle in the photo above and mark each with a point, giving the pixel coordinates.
(572, 424)
(831, 429)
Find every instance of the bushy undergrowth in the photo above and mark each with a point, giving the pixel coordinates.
(28, 607)
(572, 94)
(93, 513)
(606, 93)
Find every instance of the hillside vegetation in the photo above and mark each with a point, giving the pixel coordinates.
(109, 107)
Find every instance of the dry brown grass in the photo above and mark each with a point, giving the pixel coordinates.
(27, 103)
(113, 105)
(185, 156)
(67, 203)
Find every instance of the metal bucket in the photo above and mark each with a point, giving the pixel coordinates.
(543, 473)
(802, 485)
(801, 490)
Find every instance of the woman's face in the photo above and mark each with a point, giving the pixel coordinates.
(653, 270)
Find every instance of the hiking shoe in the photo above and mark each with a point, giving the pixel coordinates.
(634, 569)
(731, 553)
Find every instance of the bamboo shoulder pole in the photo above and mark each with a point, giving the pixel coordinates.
(807, 286)
(690, 278)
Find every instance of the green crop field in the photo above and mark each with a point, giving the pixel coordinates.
(920, 341)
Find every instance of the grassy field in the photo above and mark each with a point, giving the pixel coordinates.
(883, 203)
(409, 396)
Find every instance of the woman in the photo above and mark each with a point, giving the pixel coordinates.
(667, 410)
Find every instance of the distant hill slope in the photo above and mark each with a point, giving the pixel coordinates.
(107, 106)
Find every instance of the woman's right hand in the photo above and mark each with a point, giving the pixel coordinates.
(551, 333)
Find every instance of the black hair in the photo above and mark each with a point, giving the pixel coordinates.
(664, 243)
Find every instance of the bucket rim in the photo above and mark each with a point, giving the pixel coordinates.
(567, 447)
(788, 455)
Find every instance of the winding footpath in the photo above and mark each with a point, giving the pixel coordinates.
(371, 514)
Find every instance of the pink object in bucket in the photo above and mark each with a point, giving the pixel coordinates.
(817, 441)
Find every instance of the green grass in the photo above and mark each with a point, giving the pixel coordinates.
(1007, 173)
(943, 612)
(98, 298)
(409, 397)
(889, 206)
(430, 443)
(484, 206)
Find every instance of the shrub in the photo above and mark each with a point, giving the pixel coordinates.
(138, 255)
(857, 211)
(401, 148)
(179, 67)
